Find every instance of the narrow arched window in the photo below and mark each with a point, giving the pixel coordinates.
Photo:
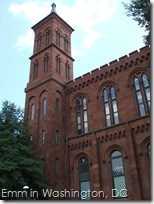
(44, 106)
(32, 111)
(45, 64)
(67, 70)
(65, 44)
(148, 151)
(118, 174)
(39, 43)
(139, 96)
(57, 107)
(85, 115)
(78, 117)
(107, 108)
(114, 105)
(58, 38)
(47, 37)
(35, 70)
(146, 89)
(58, 64)
(43, 137)
(84, 177)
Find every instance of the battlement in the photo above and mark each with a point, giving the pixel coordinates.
(127, 61)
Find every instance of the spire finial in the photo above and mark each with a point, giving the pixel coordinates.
(53, 8)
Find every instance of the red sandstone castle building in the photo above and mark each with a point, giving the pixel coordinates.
(92, 134)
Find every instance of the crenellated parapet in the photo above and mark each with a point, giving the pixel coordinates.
(129, 61)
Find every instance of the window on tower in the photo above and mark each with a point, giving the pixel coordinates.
(67, 70)
(39, 43)
(45, 64)
(58, 64)
(35, 70)
(43, 137)
(66, 44)
(48, 37)
(58, 37)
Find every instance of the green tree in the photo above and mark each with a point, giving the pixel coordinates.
(140, 11)
(18, 163)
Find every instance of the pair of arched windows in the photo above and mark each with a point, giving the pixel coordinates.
(142, 90)
(81, 116)
(39, 40)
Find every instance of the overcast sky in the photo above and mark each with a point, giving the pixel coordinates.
(102, 34)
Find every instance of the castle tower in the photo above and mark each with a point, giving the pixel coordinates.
(50, 69)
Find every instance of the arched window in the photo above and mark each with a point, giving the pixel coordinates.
(58, 64)
(107, 108)
(81, 116)
(146, 89)
(114, 105)
(65, 44)
(35, 70)
(45, 64)
(39, 43)
(118, 174)
(44, 106)
(78, 117)
(48, 37)
(32, 111)
(85, 115)
(148, 151)
(139, 96)
(57, 107)
(43, 137)
(110, 106)
(58, 38)
(67, 70)
(84, 177)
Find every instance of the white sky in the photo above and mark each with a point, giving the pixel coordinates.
(102, 34)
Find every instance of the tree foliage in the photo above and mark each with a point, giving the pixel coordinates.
(140, 11)
(18, 163)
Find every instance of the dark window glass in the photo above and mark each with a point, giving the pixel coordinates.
(84, 177)
(57, 64)
(45, 64)
(58, 38)
(107, 108)
(148, 151)
(39, 43)
(35, 70)
(57, 166)
(114, 105)
(47, 37)
(65, 45)
(57, 137)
